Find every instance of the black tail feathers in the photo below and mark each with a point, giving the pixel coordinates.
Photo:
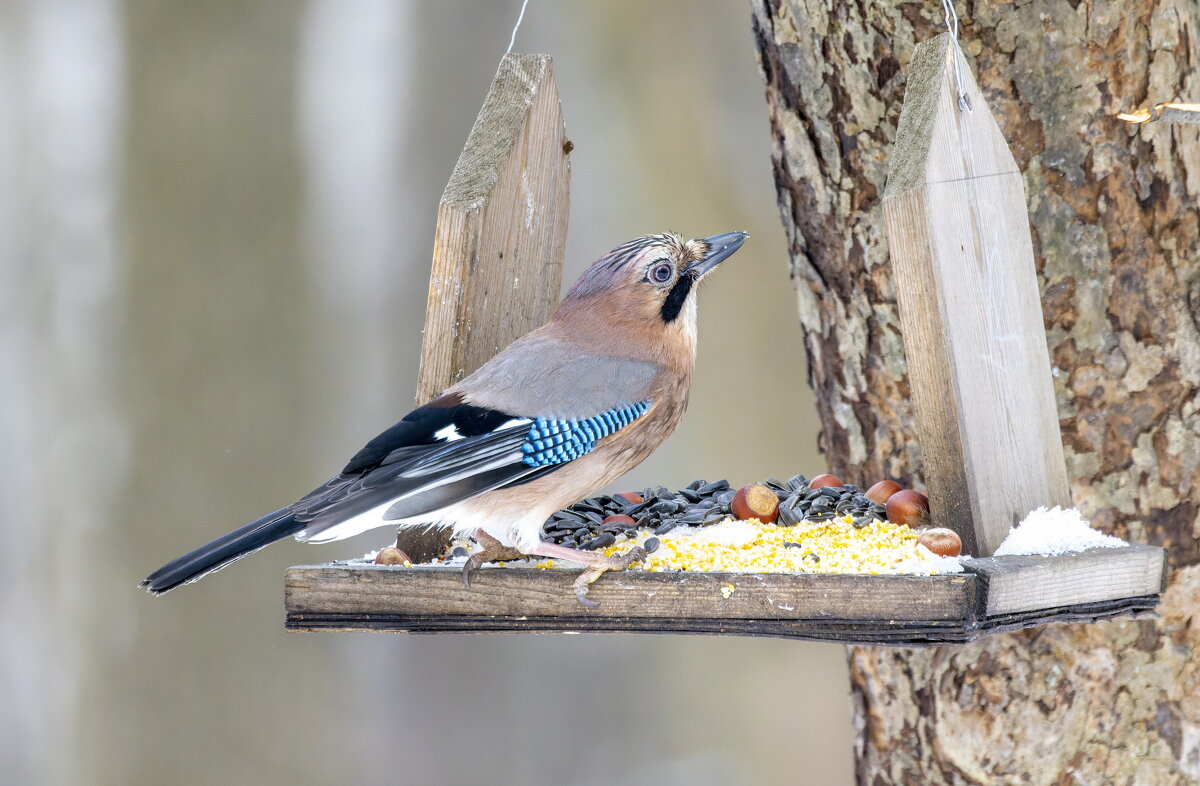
(222, 551)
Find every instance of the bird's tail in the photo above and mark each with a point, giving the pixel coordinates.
(222, 551)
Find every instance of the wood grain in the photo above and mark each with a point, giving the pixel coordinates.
(529, 592)
(1015, 584)
(502, 227)
(958, 233)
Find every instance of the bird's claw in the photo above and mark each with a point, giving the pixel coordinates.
(491, 552)
(595, 571)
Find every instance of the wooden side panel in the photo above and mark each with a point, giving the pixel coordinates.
(502, 227)
(958, 234)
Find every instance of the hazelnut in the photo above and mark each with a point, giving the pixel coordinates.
(908, 507)
(942, 541)
(755, 501)
(821, 481)
(632, 497)
(623, 520)
(880, 492)
(391, 556)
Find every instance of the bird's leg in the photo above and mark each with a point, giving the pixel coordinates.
(492, 550)
(595, 565)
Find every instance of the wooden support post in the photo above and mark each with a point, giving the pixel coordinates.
(970, 310)
(502, 227)
(501, 234)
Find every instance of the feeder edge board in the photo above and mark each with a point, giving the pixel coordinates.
(530, 592)
(1025, 583)
(994, 595)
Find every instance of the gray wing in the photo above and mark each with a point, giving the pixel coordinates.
(540, 375)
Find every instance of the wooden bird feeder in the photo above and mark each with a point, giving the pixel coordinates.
(978, 365)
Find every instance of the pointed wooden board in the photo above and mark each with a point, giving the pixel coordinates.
(970, 311)
(859, 609)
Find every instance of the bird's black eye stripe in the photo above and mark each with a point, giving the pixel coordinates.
(673, 303)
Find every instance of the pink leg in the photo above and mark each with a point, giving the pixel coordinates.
(595, 564)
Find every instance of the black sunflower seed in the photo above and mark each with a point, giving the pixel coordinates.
(788, 516)
(651, 545)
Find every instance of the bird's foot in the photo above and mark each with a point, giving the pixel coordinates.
(595, 571)
(492, 551)
(595, 565)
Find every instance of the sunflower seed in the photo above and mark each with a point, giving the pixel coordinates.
(717, 486)
(651, 545)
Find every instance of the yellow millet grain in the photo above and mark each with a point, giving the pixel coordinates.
(751, 547)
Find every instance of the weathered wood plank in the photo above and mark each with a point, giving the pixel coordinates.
(958, 234)
(502, 227)
(521, 593)
(995, 594)
(1016, 584)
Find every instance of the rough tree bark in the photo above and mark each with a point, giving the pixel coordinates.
(1115, 227)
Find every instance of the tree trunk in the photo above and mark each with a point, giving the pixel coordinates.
(1114, 218)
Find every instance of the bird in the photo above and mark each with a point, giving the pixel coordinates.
(550, 419)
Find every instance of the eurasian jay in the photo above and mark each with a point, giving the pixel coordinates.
(556, 415)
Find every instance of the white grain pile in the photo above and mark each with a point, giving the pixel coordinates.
(1055, 531)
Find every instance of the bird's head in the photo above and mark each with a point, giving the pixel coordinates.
(649, 282)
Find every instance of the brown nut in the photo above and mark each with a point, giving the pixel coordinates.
(755, 501)
(908, 507)
(820, 481)
(632, 497)
(941, 541)
(391, 556)
(880, 492)
(623, 520)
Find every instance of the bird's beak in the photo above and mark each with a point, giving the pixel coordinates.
(720, 248)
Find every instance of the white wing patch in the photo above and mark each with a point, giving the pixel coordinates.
(451, 434)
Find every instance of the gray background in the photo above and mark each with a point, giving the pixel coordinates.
(215, 232)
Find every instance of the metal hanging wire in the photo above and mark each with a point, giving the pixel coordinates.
(516, 27)
(964, 103)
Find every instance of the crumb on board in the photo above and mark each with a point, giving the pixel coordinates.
(1053, 531)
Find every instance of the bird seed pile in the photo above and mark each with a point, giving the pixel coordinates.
(599, 522)
(809, 527)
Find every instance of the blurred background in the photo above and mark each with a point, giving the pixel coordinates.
(215, 232)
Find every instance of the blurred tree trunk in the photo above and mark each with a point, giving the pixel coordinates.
(1114, 218)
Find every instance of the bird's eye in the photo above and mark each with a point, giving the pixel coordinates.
(662, 273)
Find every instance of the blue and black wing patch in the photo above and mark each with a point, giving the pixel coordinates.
(449, 451)
(553, 442)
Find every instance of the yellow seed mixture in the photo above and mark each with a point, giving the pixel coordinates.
(734, 546)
